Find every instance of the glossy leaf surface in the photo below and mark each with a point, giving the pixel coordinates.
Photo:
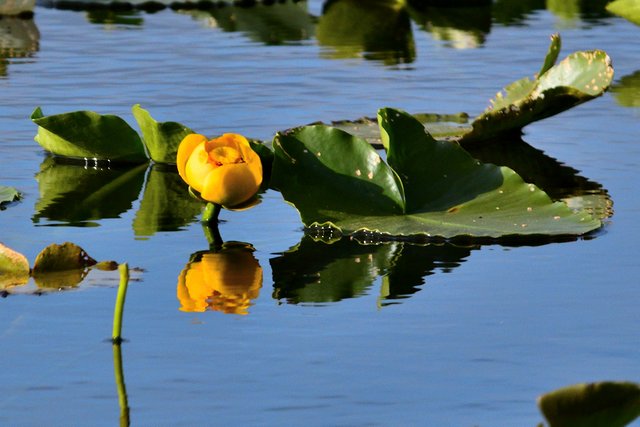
(161, 138)
(86, 134)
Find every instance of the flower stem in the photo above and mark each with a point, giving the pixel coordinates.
(211, 213)
(116, 335)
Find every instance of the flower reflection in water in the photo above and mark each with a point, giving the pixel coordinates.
(226, 280)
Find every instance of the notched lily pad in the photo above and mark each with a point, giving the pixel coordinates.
(611, 404)
(59, 266)
(88, 135)
(14, 268)
(429, 188)
(161, 138)
(578, 78)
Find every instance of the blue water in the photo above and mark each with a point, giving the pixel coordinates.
(470, 339)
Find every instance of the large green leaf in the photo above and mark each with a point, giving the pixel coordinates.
(8, 195)
(628, 9)
(77, 195)
(88, 135)
(448, 193)
(330, 175)
(161, 138)
(166, 204)
(578, 78)
(610, 404)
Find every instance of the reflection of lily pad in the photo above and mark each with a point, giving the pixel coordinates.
(76, 194)
(166, 204)
(610, 404)
(14, 268)
(377, 29)
(88, 135)
(314, 272)
(627, 90)
(435, 189)
(460, 27)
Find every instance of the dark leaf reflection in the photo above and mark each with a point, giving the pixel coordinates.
(19, 38)
(315, 272)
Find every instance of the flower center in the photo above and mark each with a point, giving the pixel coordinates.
(224, 155)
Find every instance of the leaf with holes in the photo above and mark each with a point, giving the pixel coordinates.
(428, 188)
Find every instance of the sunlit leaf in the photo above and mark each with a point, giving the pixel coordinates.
(161, 138)
(378, 29)
(75, 194)
(166, 204)
(8, 195)
(610, 404)
(628, 9)
(86, 134)
(552, 54)
(61, 265)
(338, 181)
(578, 78)
(14, 268)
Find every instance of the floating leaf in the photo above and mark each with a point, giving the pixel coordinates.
(166, 204)
(59, 266)
(161, 138)
(337, 180)
(88, 135)
(76, 194)
(14, 268)
(8, 195)
(610, 404)
(628, 9)
(578, 78)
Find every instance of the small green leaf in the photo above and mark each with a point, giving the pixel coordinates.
(330, 175)
(610, 404)
(628, 9)
(14, 268)
(8, 195)
(56, 257)
(552, 54)
(161, 138)
(88, 135)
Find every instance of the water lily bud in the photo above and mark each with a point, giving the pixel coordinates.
(225, 281)
(224, 170)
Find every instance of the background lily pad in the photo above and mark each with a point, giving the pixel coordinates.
(611, 404)
(161, 138)
(443, 192)
(88, 135)
(628, 9)
(14, 268)
(8, 195)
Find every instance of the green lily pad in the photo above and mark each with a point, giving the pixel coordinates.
(628, 9)
(611, 404)
(161, 138)
(76, 195)
(8, 195)
(61, 265)
(166, 204)
(429, 188)
(578, 78)
(14, 268)
(88, 135)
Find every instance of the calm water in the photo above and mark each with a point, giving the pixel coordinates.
(447, 336)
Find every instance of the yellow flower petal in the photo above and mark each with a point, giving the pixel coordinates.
(188, 144)
(198, 168)
(230, 185)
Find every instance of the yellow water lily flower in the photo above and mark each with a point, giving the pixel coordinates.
(224, 170)
(225, 281)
